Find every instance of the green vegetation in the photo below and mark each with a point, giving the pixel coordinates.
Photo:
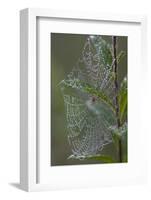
(109, 64)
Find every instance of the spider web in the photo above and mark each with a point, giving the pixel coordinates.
(88, 117)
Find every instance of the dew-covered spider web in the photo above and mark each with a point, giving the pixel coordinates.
(89, 98)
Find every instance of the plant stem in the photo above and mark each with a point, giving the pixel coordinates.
(115, 69)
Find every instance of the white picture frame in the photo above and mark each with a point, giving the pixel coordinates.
(30, 168)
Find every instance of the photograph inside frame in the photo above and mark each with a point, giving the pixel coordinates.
(88, 99)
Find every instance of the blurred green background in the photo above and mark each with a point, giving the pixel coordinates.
(65, 52)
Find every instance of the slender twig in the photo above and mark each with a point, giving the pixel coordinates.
(115, 69)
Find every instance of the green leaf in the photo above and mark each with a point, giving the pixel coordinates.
(116, 137)
(104, 49)
(78, 84)
(124, 148)
(99, 94)
(119, 132)
(120, 135)
(120, 56)
(123, 100)
(102, 158)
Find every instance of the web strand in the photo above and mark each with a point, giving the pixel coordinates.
(88, 118)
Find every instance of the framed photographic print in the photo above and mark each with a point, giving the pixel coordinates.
(82, 81)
